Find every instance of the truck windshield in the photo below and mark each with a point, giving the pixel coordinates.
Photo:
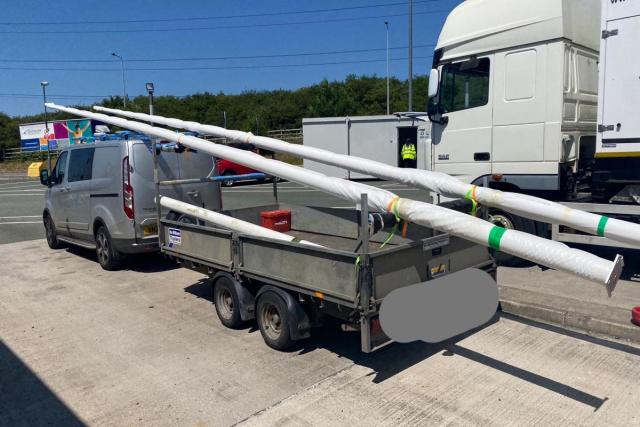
(464, 85)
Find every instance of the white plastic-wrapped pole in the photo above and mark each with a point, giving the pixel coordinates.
(518, 204)
(228, 222)
(544, 252)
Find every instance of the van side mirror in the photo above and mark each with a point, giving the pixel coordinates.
(434, 80)
(44, 177)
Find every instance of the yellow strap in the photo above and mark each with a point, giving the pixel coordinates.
(471, 195)
(393, 207)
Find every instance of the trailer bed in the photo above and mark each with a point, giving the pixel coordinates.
(332, 270)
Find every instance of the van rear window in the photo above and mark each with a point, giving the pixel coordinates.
(80, 164)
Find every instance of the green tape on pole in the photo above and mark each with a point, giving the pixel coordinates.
(602, 224)
(495, 236)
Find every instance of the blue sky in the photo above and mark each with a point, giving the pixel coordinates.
(34, 34)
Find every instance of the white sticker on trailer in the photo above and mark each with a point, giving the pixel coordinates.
(175, 236)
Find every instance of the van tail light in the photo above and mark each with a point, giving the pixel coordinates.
(127, 189)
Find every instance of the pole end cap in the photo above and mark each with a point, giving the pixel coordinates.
(614, 275)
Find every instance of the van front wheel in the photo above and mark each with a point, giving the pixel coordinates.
(108, 257)
(52, 235)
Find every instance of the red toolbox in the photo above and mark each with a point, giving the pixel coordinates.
(278, 220)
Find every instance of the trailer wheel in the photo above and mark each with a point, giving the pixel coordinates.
(227, 303)
(510, 222)
(273, 321)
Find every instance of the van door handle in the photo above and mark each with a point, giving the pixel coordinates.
(481, 157)
(193, 193)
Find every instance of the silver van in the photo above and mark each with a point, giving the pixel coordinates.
(102, 195)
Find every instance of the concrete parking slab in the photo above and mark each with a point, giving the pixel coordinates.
(143, 347)
(572, 302)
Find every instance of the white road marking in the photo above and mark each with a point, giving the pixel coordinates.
(18, 187)
(17, 182)
(23, 194)
(24, 191)
(20, 216)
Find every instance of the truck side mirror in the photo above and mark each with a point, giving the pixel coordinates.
(434, 80)
(44, 177)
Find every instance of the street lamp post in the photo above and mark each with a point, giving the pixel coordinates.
(150, 90)
(124, 85)
(410, 55)
(44, 84)
(386, 24)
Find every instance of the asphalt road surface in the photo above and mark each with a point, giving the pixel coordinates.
(22, 200)
(79, 345)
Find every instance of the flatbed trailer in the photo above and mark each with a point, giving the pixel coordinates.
(346, 278)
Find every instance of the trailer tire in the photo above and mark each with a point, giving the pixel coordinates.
(510, 222)
(274, 321)
(227, 303)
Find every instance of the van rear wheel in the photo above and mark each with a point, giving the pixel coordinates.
(108, 257)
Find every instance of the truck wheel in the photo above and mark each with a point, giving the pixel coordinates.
(108, 257)
(227, 303)
(510, 222)
(273, 321)
(52, 235)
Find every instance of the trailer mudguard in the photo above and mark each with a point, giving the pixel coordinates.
(245, 298)
(299, 326)
(440, 309)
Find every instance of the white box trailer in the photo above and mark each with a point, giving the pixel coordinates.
(618, 124)
(377, 138)
(616, 173)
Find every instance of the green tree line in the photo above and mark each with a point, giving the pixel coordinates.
(261, 111)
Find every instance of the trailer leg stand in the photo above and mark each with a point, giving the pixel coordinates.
(365, 282)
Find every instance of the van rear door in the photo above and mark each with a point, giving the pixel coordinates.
(142, 182)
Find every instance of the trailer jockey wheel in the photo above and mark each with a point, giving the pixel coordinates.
(510, 222)
(227, 303)
(274, 321)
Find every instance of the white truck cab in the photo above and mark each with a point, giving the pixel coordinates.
(515, 102)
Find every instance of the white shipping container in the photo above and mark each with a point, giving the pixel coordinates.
(618, 124)
(378, 138)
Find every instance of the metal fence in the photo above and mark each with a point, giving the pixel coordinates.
(293, 136)
(17, 154)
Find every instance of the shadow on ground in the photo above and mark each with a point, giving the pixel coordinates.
(395, 358)
(25, 400)
(142, 263)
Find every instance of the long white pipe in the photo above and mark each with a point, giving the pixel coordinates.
(544, 252)
(518, 204)
(228, 222)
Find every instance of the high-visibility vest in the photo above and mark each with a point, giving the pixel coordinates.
(408, 152)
